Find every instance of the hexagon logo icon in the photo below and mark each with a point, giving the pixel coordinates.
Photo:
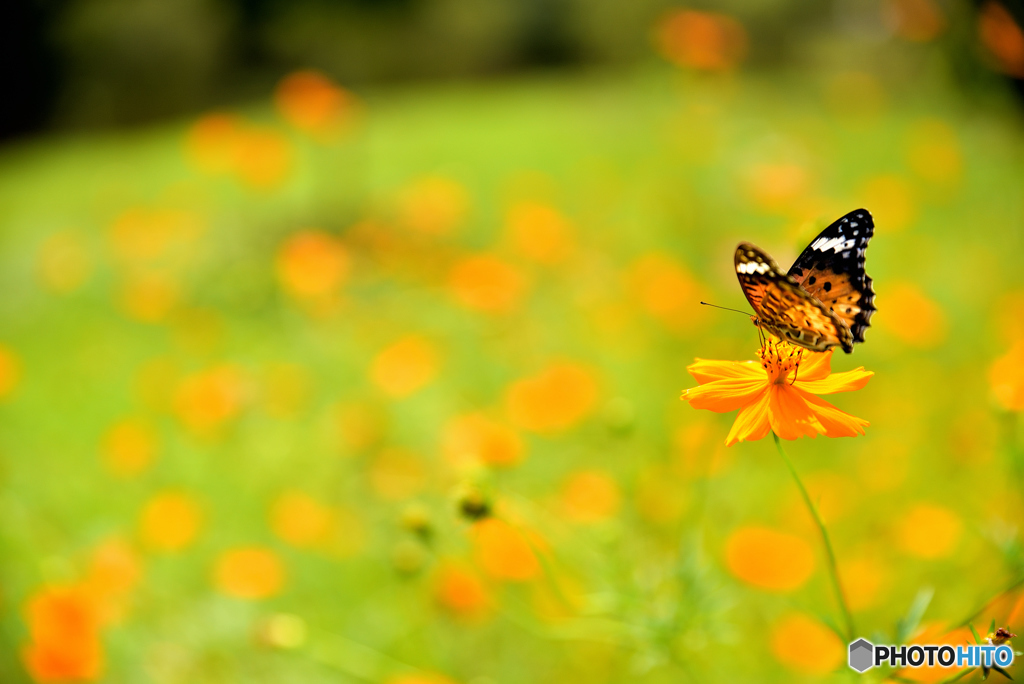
(861, 652)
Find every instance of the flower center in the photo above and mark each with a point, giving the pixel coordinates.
(779, 359)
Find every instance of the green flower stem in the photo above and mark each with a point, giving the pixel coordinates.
(833, 569)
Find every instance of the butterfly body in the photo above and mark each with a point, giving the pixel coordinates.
(825, 300)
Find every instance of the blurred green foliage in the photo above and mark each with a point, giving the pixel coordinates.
(118, 62)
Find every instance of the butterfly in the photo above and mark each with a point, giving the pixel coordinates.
(825, 300)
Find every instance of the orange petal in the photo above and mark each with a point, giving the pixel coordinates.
(836, 423)
(789, 414)
(815, 366)
(705, 370)
(722, 396)
(752, 421)
(847, 381)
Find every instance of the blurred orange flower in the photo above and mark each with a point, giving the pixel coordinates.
(912, 317)
(301, 520)
(142, 236)
(706, 41)
(434, 205)
(804, 644)
(10, 371)
(769, 559)
(779, 394)
(64, 632)
(461, 591)
(263, 158)
(929, 531)
(313, 103)
(405, 366)
(666, 290)
(864, 581)
(590, 496)
(553, 400)
(357, 426)
(205, 400)
(312, 263)
(486, 283)
(211, 142)
(259, 156)
(249, 573)
(774, 187)
(915, 20)
(503, 551)
(149, 297)
(539, 232)
(170, 521)
(940, 634)
(1003, 38)
(473, 437)
(1006, 378)
(129, 447)
(114, 571)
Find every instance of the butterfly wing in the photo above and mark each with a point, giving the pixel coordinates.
(831, 269)
(783, 307)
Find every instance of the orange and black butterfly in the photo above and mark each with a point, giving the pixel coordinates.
(825, 300)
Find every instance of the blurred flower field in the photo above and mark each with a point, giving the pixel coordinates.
(385, 387)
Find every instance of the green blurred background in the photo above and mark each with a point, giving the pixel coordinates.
(343, 341)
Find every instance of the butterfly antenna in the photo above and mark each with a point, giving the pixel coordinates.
(725, 308)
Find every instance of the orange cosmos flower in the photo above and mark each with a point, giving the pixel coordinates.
(802, 643)
(779, 394)
(10, 371)
(706, 41)
(461, 591)
(249, 572)
(64, 629)
(1003, 38)
(311, 102)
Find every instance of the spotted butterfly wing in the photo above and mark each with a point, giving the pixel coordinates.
(783, 307)
(831, 269)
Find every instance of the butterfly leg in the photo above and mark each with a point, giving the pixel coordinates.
(796, 370)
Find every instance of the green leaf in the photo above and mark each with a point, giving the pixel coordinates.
(1002, 671)
(959, 676)
(907, 625)
(977, 639)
